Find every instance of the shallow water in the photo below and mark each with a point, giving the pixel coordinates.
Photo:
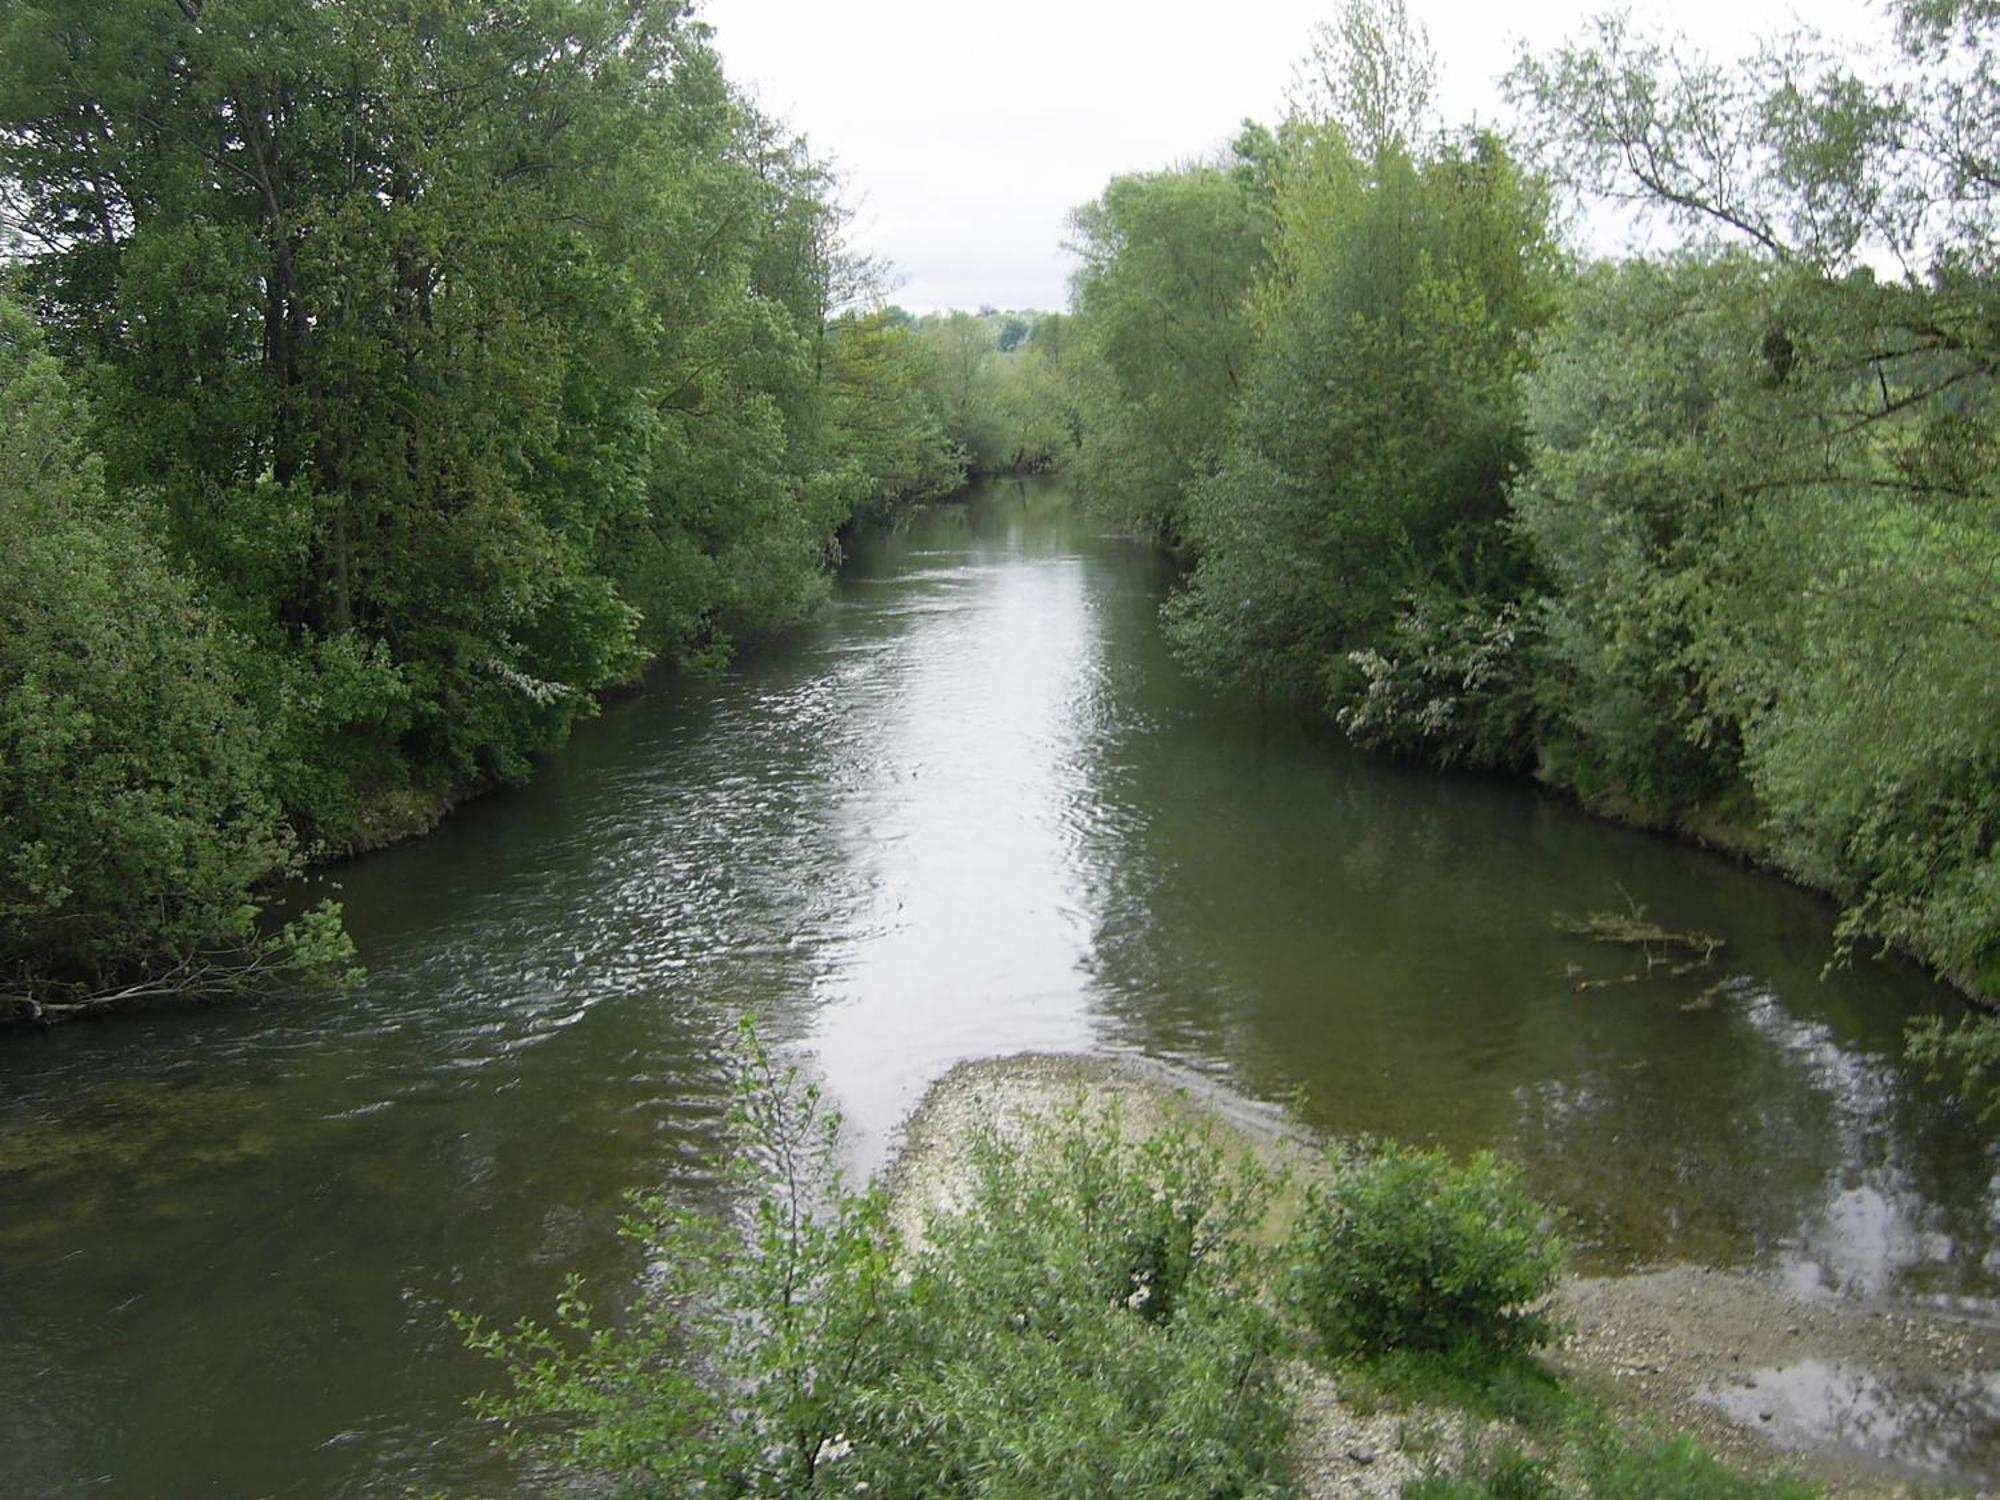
(975, 808)
(1928, 1426)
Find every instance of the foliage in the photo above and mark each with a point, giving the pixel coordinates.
(1626, 409)
(895, 450)
(1511, 1475)
(1085, 1317)
(1364, 494)
(1403, 1251)
(1447, 682)
(1372, 75)
(1162, 303)
(1764, 478)
(1965, 1057)
(1789, 150)
(136, 805)
(1677, 1469)
(1090, 1323)
(447, 362)
(499, 340)
(1084, 1323)
(1705, 536)
(745, 1358)
(1505, 1385)
(995, 385)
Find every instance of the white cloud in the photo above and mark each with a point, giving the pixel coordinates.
(969, 133)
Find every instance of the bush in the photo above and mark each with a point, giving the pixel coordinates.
(747, 1354)
(1403, 1251)
(1678, 1470)
(1090, 1325)
(137, 814)
(1510, 1476)
(1086, 1326)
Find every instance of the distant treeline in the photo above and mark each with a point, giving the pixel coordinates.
(380, 383)
(997, 383)
(1709, 537)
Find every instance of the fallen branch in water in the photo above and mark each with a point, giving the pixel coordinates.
(312, 950)
(193, 978)
(1631, 927)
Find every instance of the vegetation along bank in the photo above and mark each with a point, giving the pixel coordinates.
(378, 387)
(1708, 537)
(1085, 1276)
(383, 386)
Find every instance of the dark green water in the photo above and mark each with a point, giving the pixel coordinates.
(974, 809)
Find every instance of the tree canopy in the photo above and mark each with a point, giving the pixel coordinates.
(443, 364)
(1707, 536)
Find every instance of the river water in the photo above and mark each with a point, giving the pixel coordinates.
(975, 808)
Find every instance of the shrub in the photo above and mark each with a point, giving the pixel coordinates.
(1090, 1326)
(1401, 1250)
(1510, 1476)
(137, 814)
(1086, 1326)
(744, 1360)
(1678, 1470)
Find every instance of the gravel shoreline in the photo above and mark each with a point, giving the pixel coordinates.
(1866, 1400)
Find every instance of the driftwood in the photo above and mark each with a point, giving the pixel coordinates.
(203, 976)
(1707, 998)
(1631, 928)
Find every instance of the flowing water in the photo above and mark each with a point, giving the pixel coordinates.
(974, 808)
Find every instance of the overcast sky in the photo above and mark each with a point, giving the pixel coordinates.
(968, 133)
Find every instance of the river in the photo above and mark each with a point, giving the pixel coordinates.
(973, 808)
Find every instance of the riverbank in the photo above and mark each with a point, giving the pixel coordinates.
(1730, 827)
(1858, 1398)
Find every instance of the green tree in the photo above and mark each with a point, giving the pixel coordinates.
(468, 356)
(880, 402)
(1163, 327)
(1005, 409)
(1765, 476)
(137, 815)
(1353, 544)
(460, 358)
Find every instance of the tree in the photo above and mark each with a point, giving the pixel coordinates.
(1765, 476)
(1372, 75)
(137, 814)
(457, 358)
(1162, 313)
(1357, 521)
(469, 356)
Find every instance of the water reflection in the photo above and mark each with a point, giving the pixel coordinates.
(1944, 1428)
(976, 808)
(1274, 909)
(973, 937)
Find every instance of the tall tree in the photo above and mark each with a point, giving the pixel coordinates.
(1766, 471)
(471, 353)
(1352, 544)
(1163, 320)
